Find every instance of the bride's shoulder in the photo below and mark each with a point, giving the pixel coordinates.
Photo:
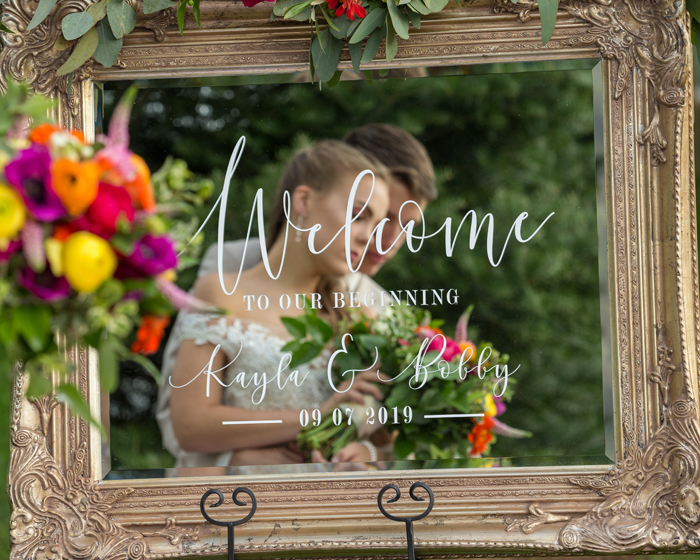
(209, 288)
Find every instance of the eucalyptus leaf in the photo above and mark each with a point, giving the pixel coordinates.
(108, 48)
(42, 10)
(122, 18)
(355, 55)
(548, 17)
(311, 58)
(326, 53)
(372, 46)
(414, 18)
(369, 23)
(436, 5)
(343, 26)
(61, 44)
(151, 6)
(99, 10)
(420, 7)
(82, 52)
(282, 6)
(297, 9)
(391, 45)
(76, 25)
(399, 19)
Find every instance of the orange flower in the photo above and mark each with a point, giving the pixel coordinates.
(140, 188)
(149, 335)
(62, 231)
(41, 133)
(480, 436)
(464, 346)
(75, 184)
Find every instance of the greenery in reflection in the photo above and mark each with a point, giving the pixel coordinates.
(502, 143)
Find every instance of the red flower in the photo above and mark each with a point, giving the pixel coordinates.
(102, 215)
(480, 436)
(351, 8)
(150, 334)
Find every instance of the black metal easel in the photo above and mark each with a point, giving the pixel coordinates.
(408, 520)
(229, 524)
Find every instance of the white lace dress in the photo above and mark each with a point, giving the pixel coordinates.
(251, 349)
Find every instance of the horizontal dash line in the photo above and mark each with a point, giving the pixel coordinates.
(253, 422)
(452, 415)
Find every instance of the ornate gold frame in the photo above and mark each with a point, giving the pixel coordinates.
(649, 501)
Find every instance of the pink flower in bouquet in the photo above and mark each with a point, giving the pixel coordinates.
(151, 256)
(500, 405)
(30, 174)
(43, 285)
(183, 300)
(102, 215)
(452, 350)
(12, 247)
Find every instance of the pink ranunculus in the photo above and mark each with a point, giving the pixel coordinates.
(403, 342)
(451, 350)
(102, 215)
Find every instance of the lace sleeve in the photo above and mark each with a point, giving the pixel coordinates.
(208, 329)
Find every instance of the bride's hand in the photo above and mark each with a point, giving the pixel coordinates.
(355, 390)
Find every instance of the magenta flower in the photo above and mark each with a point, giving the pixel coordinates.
(251, 3)
(500, 405)
(43, 285)
(10, 250)
(152, 255)
(30, 174)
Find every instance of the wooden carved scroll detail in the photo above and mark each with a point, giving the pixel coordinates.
(652, 497)
(60, 514)
(637, 34)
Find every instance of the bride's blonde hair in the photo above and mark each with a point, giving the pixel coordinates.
(320, 167)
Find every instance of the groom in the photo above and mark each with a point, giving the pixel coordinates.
(412, 179)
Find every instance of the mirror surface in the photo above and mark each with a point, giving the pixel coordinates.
(504, 140)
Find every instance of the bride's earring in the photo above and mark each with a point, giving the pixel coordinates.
(297, 237)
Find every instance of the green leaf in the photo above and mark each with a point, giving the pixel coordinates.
(297, 9)
(181, 8)
(197, 13)
(76, 25)
(122, 18)
(414, 18)
(420, 7)
(311, 57)
(307, 351)
(368, 77)
(107, 49)
(69, 394)
(33, 324)
(151, 6)
(109, 364)
(435, 5)
(372, 46)
(42, 10)
(355, 55)
(98, 11)
(326, 53)
(399, 19)
(548, 17)
(369, 23)
(391, 45)
(322, 332)
(403, 447)
(343, 26)
(6, 29)
(335, 80)
(693, 8)
(82, 52)
(291, 346)
(39, 385)
(371, 341)
(295, 327)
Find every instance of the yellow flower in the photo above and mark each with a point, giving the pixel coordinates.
(54, 254)
(490, 406)
(12, 212)
(88, 260)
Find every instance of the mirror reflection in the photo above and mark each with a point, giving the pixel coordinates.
(407, 273)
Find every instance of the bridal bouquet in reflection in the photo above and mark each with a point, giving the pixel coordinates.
(83, 245)
(444, 397)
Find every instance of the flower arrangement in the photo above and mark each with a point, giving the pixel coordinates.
(83, 248)
(430, 374)
(98, 32)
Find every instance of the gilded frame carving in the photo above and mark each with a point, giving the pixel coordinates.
(648, 502)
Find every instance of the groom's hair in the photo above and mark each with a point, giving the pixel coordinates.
(407, 159)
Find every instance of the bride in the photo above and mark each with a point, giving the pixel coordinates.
(249, 413)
